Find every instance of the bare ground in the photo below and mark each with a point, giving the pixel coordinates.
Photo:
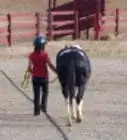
(105, 100)
(41, 5)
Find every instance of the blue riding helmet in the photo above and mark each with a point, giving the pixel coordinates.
(40, 40)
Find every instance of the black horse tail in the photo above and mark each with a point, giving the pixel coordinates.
(71, 80)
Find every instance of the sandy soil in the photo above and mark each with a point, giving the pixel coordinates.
(105, 100)
(41, 5)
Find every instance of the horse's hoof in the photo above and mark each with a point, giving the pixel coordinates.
(69, 124)
(73, 117)
(70, 129)
(78, 120)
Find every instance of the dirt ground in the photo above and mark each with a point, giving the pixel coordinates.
(41, 5)
(105, 100)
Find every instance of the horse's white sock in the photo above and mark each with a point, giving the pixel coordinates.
(74, 108)
(69, 112)
(79, 109)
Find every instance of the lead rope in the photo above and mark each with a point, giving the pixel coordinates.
(27, 77)
(53, 80)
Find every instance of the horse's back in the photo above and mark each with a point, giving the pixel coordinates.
(73, 61)
(67, 56)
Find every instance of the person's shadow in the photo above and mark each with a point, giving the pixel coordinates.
(50, 118)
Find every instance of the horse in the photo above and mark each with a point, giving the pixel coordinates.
(74, 70)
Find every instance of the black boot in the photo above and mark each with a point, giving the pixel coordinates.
(36, 111)
(43, 108)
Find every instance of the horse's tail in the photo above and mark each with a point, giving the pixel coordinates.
(71, 72)
(71, 79)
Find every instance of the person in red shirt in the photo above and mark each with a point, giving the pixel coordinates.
(37, 65)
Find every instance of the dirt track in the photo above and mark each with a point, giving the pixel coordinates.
(39, 5)
(105, 101)
(105, 105)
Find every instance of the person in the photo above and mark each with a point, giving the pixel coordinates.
(37, 65)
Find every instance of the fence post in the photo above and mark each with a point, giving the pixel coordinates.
(37, 23)
(96, 26)
(9, 36)
(54, 4)
(87, 27)
(76, 26)
(50, 26)
(96, 21)
(49, 4)
(117, 22)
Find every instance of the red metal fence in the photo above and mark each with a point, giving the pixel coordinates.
(67, 26)
(15, 27)
(115, 22)
(3, 29)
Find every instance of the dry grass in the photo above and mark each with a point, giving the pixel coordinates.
(112, 48)
(25, 5)
(41, 5)
(122, 4)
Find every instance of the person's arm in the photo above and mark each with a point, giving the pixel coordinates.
(50, 64)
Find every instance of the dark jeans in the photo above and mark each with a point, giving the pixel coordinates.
(40, 89)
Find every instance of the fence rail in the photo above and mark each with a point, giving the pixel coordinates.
(55, 25)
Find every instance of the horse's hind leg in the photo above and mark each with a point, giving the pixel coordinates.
(68, 105)
(79, 100)
(62, 75)
(74, 116)
(72, 101)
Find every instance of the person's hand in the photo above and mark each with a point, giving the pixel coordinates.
(50, 64)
